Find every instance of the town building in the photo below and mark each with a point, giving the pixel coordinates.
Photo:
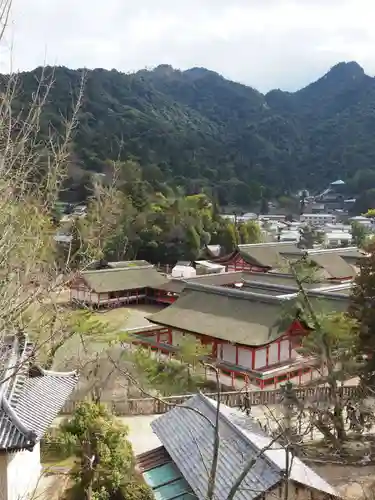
(179, 468)
(318, 219)
(31, 398)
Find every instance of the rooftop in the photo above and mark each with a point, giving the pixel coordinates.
(188, 437)
(176, 285)
(30, 397)
(236, 316)
(118, 278)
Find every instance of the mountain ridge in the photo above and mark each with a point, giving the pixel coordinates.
(199, 130)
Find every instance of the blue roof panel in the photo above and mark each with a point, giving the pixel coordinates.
(161, 475)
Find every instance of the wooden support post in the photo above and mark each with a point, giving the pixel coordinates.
(232, 377)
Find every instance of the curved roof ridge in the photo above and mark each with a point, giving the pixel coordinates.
(44, 372)
(112, 269)
(29, 434)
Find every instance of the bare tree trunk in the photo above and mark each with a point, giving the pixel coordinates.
(337, 415)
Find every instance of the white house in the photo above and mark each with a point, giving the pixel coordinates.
(318, 219)
(30, 400)
(335, 239)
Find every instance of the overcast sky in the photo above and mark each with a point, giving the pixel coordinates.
(264, 43)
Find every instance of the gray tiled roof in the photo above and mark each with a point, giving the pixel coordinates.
(188, 438)
(30, 398)
(225, 313)
(333, 265)
(123, 278)
(177, 285)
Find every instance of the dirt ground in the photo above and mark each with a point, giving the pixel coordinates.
(131, 316)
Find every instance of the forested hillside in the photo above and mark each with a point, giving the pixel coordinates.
(197, 130)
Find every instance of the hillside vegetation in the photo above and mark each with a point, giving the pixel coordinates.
(197, 130)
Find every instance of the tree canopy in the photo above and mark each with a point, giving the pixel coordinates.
(196, 130)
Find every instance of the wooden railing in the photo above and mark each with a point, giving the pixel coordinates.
(151, 406)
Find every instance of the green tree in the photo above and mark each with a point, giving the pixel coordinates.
(307, 237)
(193, 243)
(332, 342)
(104, 457)
(359, 234)
(361, 309)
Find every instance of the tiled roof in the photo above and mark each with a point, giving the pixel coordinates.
(123, 278)
(333, 265)
(30, 398)
(263, 255)
(225, 313)
(347, 253)
(188, 438)
(176, 285)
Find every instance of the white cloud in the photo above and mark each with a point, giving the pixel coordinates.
(264, 43)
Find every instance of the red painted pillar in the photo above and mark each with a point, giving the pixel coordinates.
(232, 376)
(267, 354)
(236, 355)
(262, 384)
(278, 350)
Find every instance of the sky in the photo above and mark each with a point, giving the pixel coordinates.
(263, 43)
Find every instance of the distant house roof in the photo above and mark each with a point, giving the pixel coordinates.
(177, 285)
(188, 438)
(339, 182)
(233, 315)
(123, 278)
(30, 397)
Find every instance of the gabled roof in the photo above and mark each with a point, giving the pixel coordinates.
(188, 437)
(332, 264)
(123, 278)
(225, 313)
(262, 255)
(30, 398)
(176, 285)
(349, 254)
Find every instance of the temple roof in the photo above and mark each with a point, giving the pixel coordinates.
(236, 316)
(30, 397)
(176, 285)
(123, 278)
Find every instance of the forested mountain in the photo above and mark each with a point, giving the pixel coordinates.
(197, 130)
